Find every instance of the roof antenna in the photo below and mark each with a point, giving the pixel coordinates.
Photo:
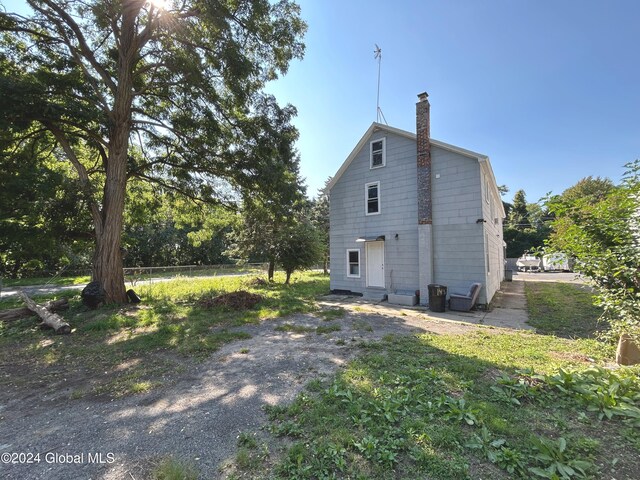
(377, 54)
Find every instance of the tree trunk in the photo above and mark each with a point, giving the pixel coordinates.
(325, 264)
(107, 263)
(288, 272)
(16, 269)
(107, 260)
(50, 319)
(628, 352)
(271, 270)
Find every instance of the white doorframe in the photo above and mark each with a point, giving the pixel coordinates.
(375, 264)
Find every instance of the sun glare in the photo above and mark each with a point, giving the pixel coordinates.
(160, 4)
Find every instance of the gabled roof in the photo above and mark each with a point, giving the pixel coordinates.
(375, 127)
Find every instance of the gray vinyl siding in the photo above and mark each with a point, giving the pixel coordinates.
(458, 241)
(398, 215)
(494, 235)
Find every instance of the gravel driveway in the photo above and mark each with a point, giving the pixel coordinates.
(199, 417)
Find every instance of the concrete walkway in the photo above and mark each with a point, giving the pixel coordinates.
(508, 309)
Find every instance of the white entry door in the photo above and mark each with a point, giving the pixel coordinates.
(375, 264)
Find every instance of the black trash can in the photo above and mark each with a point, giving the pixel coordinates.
(437, 297)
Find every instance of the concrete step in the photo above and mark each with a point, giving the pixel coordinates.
(402, 299)
(374, 295)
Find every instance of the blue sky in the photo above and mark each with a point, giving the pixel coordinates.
(549, 90)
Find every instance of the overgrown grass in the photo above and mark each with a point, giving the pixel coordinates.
(486, 404)
(251, 454)
(57, 281)
(173, 469)
(15, 301)
(458, 407)
(132, 343)
(331, 314)
(328, 328)
(562, 309)
(129, 278)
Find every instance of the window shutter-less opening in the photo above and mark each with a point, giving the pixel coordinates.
(378, 156)
(373, 198)
(353, 263)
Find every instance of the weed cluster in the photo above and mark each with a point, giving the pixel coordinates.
(395, 414)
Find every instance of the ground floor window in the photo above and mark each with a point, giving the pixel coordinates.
(353, 263)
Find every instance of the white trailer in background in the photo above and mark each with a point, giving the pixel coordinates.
(556, 262)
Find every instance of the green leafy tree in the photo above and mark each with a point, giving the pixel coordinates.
(320, 221)
(527, 240)
(277, 229)
(503, 189)
(163, 228)
(266, 215)
(254, 235)
(261, 229)
(527, 226)
(589, 189)
(40, 228)
(299, 247)
(166, 92)
(601, 230)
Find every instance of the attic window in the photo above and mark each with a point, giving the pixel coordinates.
(378, 155)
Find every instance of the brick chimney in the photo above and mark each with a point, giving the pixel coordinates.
(423, 123)
(425, 235)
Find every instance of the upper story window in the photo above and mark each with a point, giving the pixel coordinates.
(378, 153)
(372, 198)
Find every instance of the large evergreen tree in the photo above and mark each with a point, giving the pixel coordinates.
(166, 91)
(526, 228)
(519, 214)
(268, 227)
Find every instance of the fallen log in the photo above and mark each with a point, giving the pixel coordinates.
(15, 314)
(24, 312)
(50, 319)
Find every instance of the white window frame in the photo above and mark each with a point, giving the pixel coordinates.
(384, 153)
(366, 198)
(349, 274)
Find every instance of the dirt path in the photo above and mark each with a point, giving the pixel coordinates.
(199, 417)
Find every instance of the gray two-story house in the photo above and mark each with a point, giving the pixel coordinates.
(408, 211)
